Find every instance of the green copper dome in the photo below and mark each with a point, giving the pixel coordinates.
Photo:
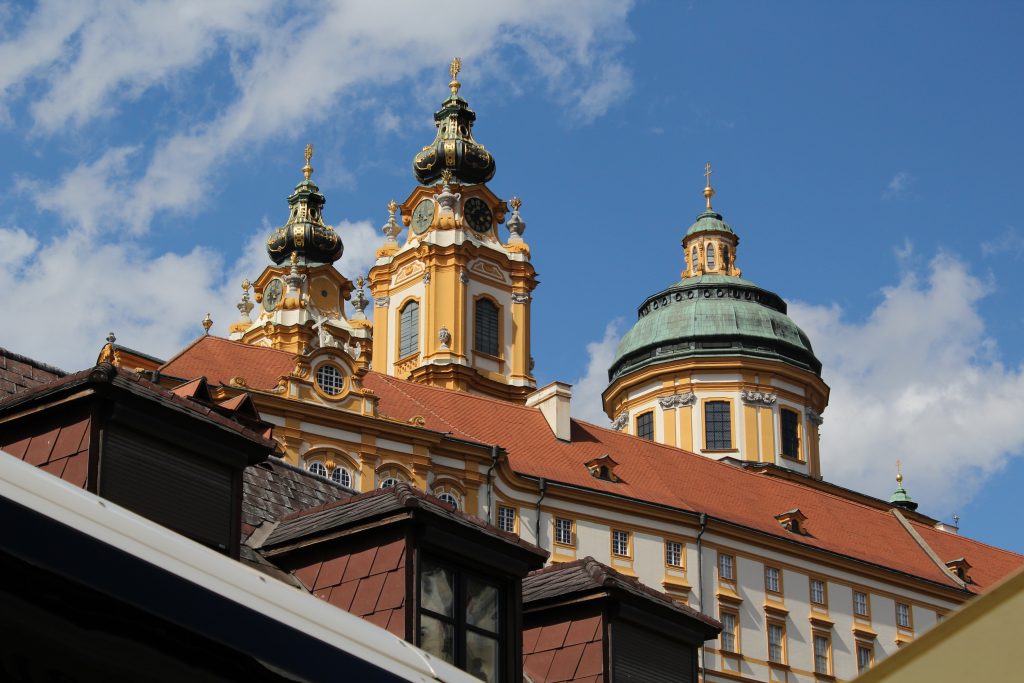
(713, 315)
(709, 221)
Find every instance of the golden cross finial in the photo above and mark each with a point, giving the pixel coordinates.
(899, 473)
(709, 192)
(307, 170)
(392, 207)
(454, 70)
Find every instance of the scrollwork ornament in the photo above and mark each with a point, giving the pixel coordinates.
(382, 301)
(763, 398)
(520, 297)
(619, 423)
(815, 417)
(677, 400)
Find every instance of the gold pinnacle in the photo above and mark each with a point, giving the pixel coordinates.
(360, 282)
(246, 285)
(392, 207)
(899, 474)
(454, 70)
(516, 203)
(307, 170)
(207, 324)
(709, 191)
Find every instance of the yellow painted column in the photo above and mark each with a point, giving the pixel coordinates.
(767, 435)
(751, 451)
(668, 426)
(685, 427)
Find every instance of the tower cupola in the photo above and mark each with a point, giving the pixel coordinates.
(305, 234)
(454, 148)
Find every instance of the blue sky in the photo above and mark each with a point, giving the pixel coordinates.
(868, 155)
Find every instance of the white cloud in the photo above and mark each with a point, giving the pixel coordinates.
(919, 380)
(1009, 242)
(898, 185)
(586, 391)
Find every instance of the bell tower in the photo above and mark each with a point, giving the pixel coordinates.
(452, 300)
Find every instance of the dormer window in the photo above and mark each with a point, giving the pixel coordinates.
(603, 468)
(318, 468)
(793, 521)
(961, 567)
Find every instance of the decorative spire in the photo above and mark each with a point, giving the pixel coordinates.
(454, 70)
(307, 170)
(245, 306)
(453, 147)
(305, 233)
(900, 498)
(709, 191)
(207, 324)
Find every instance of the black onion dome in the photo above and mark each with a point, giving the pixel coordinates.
(453, 147)
(305, 233)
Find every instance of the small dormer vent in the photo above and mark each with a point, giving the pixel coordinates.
(961, 567)
(793, 521)
(603, 467)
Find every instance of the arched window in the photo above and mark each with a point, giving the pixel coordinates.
(725, 257)
(449, 498)
(342, 476)
(694, 260)
(711, 256)
(485, 324)
(318, 468)
(329, 379)
(388, 483)
(409, 329)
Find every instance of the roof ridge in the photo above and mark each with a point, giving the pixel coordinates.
(13, 355)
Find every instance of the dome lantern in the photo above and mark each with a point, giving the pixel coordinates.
(305, 234)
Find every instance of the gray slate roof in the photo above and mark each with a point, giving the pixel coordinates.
(272, 490)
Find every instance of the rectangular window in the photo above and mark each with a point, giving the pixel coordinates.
(772, 584)
(673, 554)
(790, 422)
(822, 654)
(776, 643)
(725, 567)
(409, 329)
(563, 531)
(717, 425)
(620, 543)
(860, 604)
(864, 656)
(460, 619)
(507, 519)
(730, 624)
(903, 615)
(485, 324)
(818, 595)
(645, 426)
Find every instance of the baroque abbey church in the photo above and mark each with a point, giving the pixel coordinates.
(705, 484)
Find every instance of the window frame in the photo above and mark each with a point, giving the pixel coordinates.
(628, 554)
(867, 605)
(515, 518)
(732, 567)
(783, 655)
(735, 632)
(694, 259)
(317, 463)
(343, 470)
(816, 637)
(710, 257)
(778, 590)
(909, 626)
(797, 434)
(869, 648)
(460, 623)
(572, 531)
(646, 414)
(824, 592)
(340, 379)
(705, 403)
(499, 315)
(682, 554)
(402, 350)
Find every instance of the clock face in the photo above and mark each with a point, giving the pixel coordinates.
(422, 216)
(478, 214)
(272, 294)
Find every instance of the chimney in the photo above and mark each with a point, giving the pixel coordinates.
(553, 401)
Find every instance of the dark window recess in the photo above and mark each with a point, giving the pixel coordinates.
(485, 325)
(172, 487)
(645, 426)
(717, 425)
(790, 433)
(461, 620)
(409, 329)
(639, 654)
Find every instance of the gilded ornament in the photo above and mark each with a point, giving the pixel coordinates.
(454, 69)
(207, 324)
(709, 192)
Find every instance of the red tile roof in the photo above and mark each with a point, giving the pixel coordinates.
(220, 359)
(648, 471)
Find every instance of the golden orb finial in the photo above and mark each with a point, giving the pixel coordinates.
(307, 170)
(392, 207)
(516, 203)
(899, 473)
(207, 324)
(709, 191)
(454, 70)
(246, 285)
